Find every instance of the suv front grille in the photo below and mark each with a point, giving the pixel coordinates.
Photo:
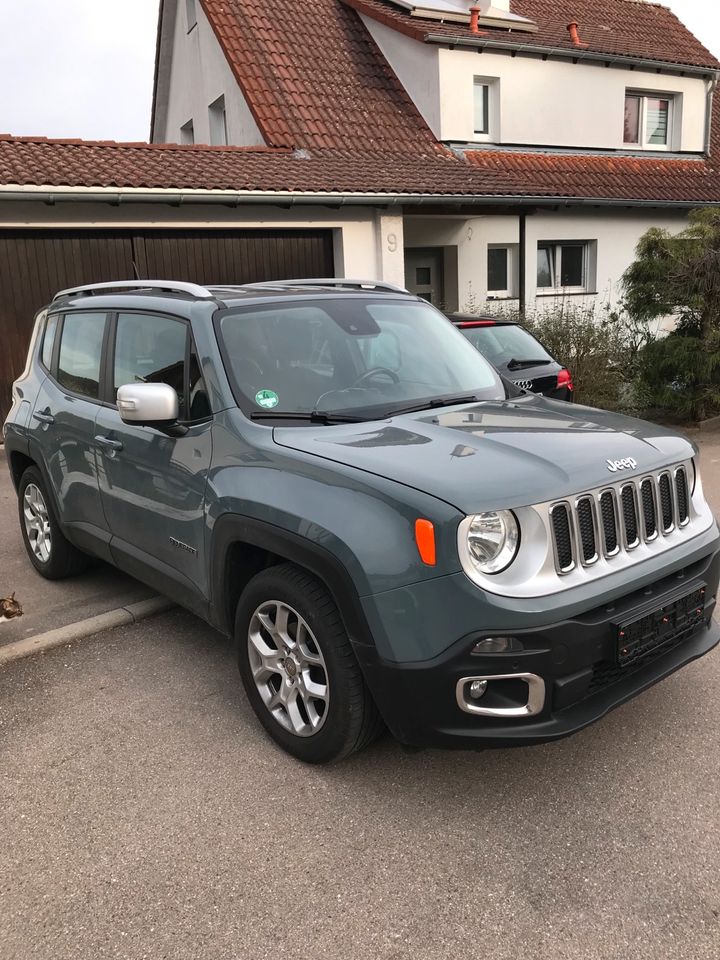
(618, 518)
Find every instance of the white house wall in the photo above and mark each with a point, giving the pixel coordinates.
(537, 102)
(199, 75)
(615, 234)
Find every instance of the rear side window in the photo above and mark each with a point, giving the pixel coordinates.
(81, 352)
(154, 349)
(49, 340)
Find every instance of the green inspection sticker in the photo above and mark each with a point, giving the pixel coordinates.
(267, 399)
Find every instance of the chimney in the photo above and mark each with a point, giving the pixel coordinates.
(574, 35)
(475, 21)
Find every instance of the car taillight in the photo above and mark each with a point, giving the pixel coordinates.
(565, 380)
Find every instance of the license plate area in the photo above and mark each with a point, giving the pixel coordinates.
(665, 627)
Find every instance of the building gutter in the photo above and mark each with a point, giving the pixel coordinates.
(711, 85)
(572, 53)
(118, 196)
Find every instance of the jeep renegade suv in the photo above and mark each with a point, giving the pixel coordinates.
(331, 473)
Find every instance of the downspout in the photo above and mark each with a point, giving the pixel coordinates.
(522, 262)
(711, 85)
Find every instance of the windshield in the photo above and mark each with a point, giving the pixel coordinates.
(349, 355)
(501, 344)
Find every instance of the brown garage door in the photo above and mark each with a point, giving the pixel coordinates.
(36, 264)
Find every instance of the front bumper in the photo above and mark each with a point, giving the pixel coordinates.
(575, 661)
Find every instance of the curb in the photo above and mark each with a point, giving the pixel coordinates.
(120, 617)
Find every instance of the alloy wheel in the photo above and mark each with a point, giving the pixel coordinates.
(288, 668)
(37, 522)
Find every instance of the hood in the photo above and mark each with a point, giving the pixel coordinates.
(495, 455)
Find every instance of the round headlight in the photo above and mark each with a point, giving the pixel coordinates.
(493, 540)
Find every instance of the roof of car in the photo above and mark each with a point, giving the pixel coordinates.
(182, 292)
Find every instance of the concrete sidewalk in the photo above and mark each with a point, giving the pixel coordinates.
(48, 605)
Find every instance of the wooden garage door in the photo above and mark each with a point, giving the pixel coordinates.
(35, 264)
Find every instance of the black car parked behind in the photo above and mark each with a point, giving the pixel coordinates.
(517, 355)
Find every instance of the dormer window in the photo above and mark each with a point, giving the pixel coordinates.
(648, 121)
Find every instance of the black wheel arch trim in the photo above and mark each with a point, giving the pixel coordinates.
(235, 528)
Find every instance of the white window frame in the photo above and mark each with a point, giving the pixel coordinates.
(191, 14)
(217, 115)
(643, 96)
(510, 253)
(555, 247)
(490, 88)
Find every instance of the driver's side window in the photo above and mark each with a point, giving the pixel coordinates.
(153, 349)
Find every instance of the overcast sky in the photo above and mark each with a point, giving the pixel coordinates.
(84, 68)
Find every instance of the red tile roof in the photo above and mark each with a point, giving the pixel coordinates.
(627, 28)
(476, 174)
(315, 80)
(41, 162)
(313, 77)
(602, 177)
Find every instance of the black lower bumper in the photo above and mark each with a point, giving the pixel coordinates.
(584, 669)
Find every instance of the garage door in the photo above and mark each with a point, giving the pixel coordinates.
(34, 265)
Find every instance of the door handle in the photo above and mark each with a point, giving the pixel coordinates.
(44, 417)
(108, 444)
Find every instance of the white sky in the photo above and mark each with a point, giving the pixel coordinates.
(84, 68)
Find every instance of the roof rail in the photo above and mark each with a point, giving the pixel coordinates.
(169, 286)
(341, 282)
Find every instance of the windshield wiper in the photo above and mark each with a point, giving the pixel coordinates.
(432, 404)
(517, 364)
(316, 416)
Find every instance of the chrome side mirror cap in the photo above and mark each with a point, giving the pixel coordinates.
(148, 403)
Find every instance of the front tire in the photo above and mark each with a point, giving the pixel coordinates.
(298, 669)
(52, 555)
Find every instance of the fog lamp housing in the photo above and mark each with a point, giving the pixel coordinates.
(497, 645)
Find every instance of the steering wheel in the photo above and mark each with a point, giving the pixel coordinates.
(373, 372)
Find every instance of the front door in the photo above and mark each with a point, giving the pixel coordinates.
(153, 484)
(425, 274)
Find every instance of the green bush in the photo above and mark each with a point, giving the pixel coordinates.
(679, 377)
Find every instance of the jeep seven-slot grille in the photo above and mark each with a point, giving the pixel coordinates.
(618, 518)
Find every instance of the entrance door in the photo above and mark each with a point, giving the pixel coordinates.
(425, 274)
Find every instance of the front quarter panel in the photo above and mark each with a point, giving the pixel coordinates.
(366, 522)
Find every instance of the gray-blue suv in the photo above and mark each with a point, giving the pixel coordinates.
(394, 534)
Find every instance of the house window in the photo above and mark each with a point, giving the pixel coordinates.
(191, 13)
(648, 121)
(187, 132)
(218, 123)
(482, 108)
(498, 272)
(562, 266)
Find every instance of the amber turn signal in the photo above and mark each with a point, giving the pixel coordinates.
(425, 540)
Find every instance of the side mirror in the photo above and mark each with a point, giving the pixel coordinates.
(148, 404)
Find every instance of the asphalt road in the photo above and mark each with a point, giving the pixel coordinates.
(144, 814)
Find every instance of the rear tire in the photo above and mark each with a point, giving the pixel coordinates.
(298, 668)
(52, 555)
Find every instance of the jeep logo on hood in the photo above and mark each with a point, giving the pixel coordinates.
(626, 464)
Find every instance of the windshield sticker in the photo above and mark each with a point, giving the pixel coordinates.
(267, 399)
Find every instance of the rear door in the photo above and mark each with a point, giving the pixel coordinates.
(153, 484)
(62, 425)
